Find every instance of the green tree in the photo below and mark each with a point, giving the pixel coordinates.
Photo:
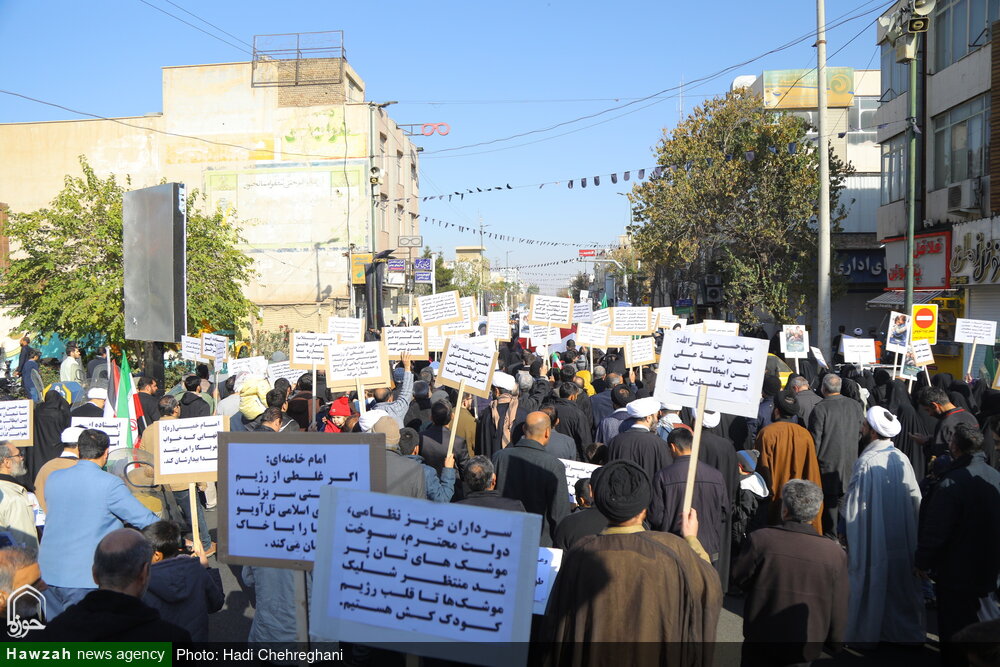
(580, 281)
(733, 199)
(66, 274)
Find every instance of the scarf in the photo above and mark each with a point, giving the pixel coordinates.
(508, 420)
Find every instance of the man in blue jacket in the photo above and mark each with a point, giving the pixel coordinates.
(84, 504)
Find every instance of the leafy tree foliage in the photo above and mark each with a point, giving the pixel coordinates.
(733, 199)
(66, 273)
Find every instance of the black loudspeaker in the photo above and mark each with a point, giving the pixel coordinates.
(154, 248)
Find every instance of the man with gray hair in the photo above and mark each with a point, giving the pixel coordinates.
(600, 403)
(17, 518)
(115, 612)
(807, 398)
(835, 425)
(481, 478)
(796, 585)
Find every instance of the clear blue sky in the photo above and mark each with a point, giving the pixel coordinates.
(490, 70)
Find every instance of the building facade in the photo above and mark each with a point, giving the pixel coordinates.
(291, 159)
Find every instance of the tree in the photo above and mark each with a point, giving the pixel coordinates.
(580, 281)
(733, 199)
(67, 275)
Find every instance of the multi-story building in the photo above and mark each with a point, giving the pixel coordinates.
(287, 143)
(956, 234)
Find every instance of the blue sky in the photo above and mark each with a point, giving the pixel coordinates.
(489, 70)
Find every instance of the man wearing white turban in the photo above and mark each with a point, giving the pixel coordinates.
(880, 515)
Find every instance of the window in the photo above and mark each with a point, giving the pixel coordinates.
(961, 142)
(894, 169)
(413, 173)
(399, 167)
(399, 219)
(861, 126)
(383, 153)
(959, 28)
(895, 76)
(382, 215)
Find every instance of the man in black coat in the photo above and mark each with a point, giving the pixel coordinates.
(526, 472)
(193, 405)
(600, 403)
(796, 584)
(114, 612)
(94, 407)
(720, 453)
(640, 444)
(936, 403)
(586, 520)
(146, 388)
(497, 427)
(807, 398)
(434, 441)
(958, 542)
(835, 425)
(572, 421)
(481, 479)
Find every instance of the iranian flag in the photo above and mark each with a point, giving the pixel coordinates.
(123, 400)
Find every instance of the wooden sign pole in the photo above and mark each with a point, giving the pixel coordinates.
(968, 371)
(362, 407)
(454, 418)
(695, 446)
(796, 365)
(895, 362)
(193, 509)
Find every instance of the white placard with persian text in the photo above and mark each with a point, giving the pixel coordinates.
(583, 312)
(116, 428)
(981, 332)
(470, 362)
(498, 325)
(188, 448)
(575, 471)
(309, 349)
(348, 329)
(214, 347)
(441, 308)
(556, 311)
(255, 366)
(591, 335)
(411, 340)
(349, 364)
(549, 561)
(191, 349)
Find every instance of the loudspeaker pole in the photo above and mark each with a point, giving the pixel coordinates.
(823, 278)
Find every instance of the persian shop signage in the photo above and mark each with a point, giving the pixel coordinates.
(931, 253)
(861, 266)
(975, 254)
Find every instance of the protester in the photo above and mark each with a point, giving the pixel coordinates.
(615, 422)
(30, 369)
(94, 407)
(16, 514)
(184, 589)
(527, 472)
(270, 421)
(600, 403)
(936, 403)
(439, 485)
(337, 415)
(302, 404)
(958, 544)
(192, 404)
(834, 426)
(67, 458)
(560, 445)
(628, 596)
(796, 585)
(481, 479)
(808, 399)
(147, 388)
(52, 417)
(97, 364)
(880, 518)
(404, 476)
(640, 444)
(573, 421)
(710, 498)
(769, 390)
(434, 440)
(84, 505)
(396, 404)
(19, 567)
(585, 520)
(71, 370)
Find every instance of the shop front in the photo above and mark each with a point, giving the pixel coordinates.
(975, 268)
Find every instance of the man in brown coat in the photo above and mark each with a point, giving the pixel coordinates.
(787, 450)
(796, 583)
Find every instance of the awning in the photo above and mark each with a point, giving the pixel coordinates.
(897, 298)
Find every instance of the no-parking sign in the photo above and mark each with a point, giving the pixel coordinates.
(925, 321)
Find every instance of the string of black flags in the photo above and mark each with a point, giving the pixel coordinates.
(470, 229)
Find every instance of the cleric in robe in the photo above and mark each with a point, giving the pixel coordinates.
(630, 596)
(880, 512)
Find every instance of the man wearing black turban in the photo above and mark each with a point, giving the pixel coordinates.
(635, 597)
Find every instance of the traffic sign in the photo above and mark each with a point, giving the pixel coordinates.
(422, 263)
(423, 277)
(925, 321)
(396, 265)
(588, 252)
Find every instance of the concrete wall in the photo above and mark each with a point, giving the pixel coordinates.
(291, 163)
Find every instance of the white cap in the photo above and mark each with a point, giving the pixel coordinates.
(883, 422)
(711, 419)
(671, 407)
(504, 381)
(98, 393)
(368, 419)
(643, 407)
(858, 331)
(70, 435)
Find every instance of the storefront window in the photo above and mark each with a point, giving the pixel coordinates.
(961, 142)
(893, 169)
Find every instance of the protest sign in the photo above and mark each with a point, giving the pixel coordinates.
(632, 321)
(591, 335)
(191, 349)
(662, 316)
(976, 332)
(443, 579)
(898, 335)
(794, 341)
(549, 561)
(214, 347)
(540, 335)
(498, 325)
(820, 359)
(357, 365)
(411, 340)
(583, 312)
(435, 340)
(922, 353)
(601, 316)
(575, 471)
(551, 311)
(441, 308)
(732, 367)
(184, 450)
(909, 368)
(309, 349)
(721, 327)
(640, 352)
(115, 427)
(17, 423)
(467, 324)
(348, 329)
(859, 351)
(255, 366)
(618, 341)
(269, 486)
(469, 365)
(283, 369)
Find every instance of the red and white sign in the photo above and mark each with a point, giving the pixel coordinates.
(925, 318)
(588, 252)
(931, 261)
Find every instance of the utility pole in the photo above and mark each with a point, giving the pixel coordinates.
(482, 261)
(911, 184)
(823, 278)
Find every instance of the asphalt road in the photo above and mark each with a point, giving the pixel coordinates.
(232, 624)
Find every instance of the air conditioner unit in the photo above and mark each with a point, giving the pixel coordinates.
(965, 196)
(713, 279)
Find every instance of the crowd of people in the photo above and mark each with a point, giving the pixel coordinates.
(843, 511)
